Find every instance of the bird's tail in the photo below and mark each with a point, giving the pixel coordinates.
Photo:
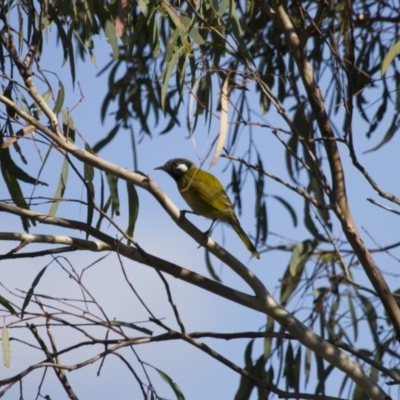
(245, 239)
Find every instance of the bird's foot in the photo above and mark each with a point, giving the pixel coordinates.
(204, 239)
(183, 213)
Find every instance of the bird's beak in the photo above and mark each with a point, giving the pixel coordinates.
(162, 168)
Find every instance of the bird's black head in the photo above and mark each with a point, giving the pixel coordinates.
(176, 167)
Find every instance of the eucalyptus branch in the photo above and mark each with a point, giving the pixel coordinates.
(386, 195)
(26, 75)
(145, 182)
(258, 381)
(58, 371)
(339, 196)
(135, 255)
(264, 303)
(362, 356)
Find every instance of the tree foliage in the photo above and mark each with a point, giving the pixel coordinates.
(325, 72)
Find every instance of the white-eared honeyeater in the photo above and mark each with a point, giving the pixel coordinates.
(205, 195)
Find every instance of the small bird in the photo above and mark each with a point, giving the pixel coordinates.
(205, 195)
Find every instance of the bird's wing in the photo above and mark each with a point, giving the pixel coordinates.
(206, 196)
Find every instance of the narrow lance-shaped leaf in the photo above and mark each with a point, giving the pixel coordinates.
(223, 127)
(289, 362)
(301, 253)
(60, 98)
(113, 186)
(13, 186)
(105, 141)
(111, 35)
(392, 130)
(62, 184)
(168, 72)
(6, 304)
(371, 317)
(133, 206)
(6, 348)
(210, 267)
(288, 208)
(353, 316)
(20, 174)
(31, 290)
(178, 392)
(391, 54)
(246, 386)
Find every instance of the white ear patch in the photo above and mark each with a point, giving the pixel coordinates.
(182, 167)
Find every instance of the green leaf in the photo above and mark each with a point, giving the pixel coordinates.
(12, 183)
(168, 72)
(133, 205)
(301, 253)
(105, 141)
(209, 266)
(5, 303)
(88, 169)
(292, 164)
(176, 19)
(246, 386)
(5, 344)
(353, 316)
(288, 365)
(393, 128)
(20, 174)
(178, 393)
(31, 289)
(288, 208)
(113, 186)
(308, 221)
(391, 54)
(171, 44)
(371, 318)
(71, 55)
(63, 37)
(60, 98)
(68, 125)
(62, 184)
(111, 36)
(143, 6)
(307, 365)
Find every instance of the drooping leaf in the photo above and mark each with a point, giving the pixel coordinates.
(246, 385)
(223, 127)
(6, 347)
(60, 98)
(300, 255)
(177, 390)
(6, 304)
(393, 128)
(105, 141)
(371, 318)
(62, 184)
(288, 208)
(14, 189)
(210, 267)
(31, 290)
(111, 36)
(391, 54)
(133, 206)
(113, 186)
